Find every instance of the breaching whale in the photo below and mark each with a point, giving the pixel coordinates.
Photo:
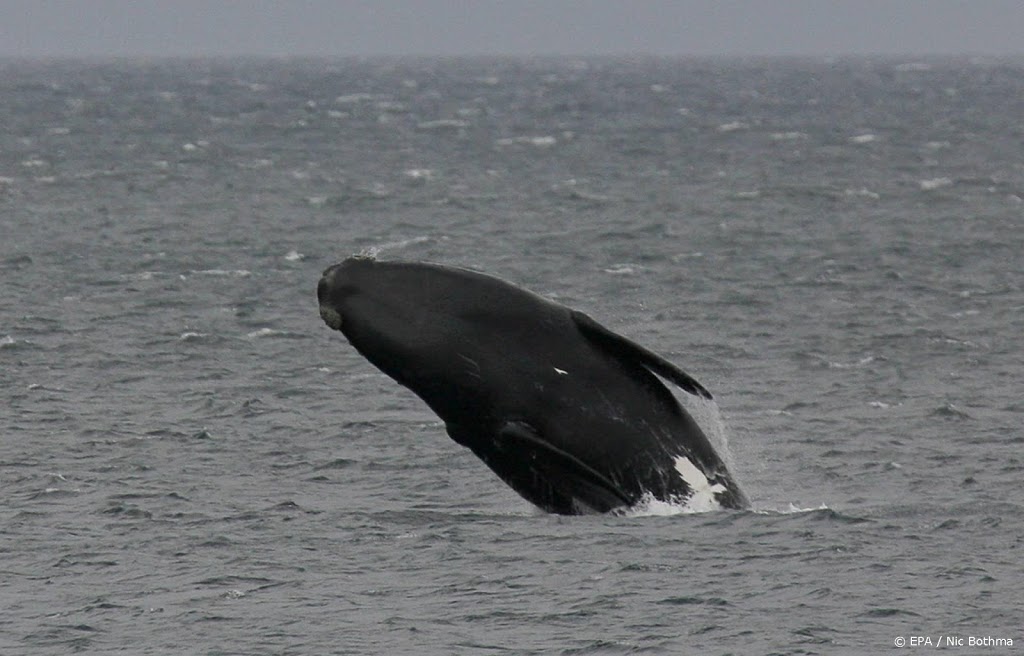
(569, 414)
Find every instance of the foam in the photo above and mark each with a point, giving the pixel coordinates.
(648, 506)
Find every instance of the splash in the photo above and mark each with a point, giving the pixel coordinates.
(709, 417)
(648, 506)
(371, 252)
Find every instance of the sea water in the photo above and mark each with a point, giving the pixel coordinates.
(192, 462)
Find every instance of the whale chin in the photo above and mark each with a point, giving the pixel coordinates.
(331, 317)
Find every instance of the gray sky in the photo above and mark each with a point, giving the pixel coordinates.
(36, 28)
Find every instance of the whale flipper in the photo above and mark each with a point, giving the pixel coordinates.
(569, 482)
(625, 349)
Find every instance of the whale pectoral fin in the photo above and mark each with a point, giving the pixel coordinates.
(620, 347)
(577, 486)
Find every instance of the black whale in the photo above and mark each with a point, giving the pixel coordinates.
(566, 412)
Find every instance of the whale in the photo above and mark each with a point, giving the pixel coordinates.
(574, 417)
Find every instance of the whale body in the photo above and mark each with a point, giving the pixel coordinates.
(572, 416)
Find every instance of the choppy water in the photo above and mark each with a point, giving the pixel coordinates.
(191, 462)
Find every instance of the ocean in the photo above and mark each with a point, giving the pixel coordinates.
(191, 462)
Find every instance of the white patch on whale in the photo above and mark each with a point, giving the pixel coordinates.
(703, 494)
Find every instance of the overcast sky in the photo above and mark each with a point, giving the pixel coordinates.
(34, 28)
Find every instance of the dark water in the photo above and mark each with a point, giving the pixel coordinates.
(191, 462)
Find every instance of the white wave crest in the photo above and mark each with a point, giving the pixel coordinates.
(236, 273)
(934, 183)
(790, 509)
(539, 141)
